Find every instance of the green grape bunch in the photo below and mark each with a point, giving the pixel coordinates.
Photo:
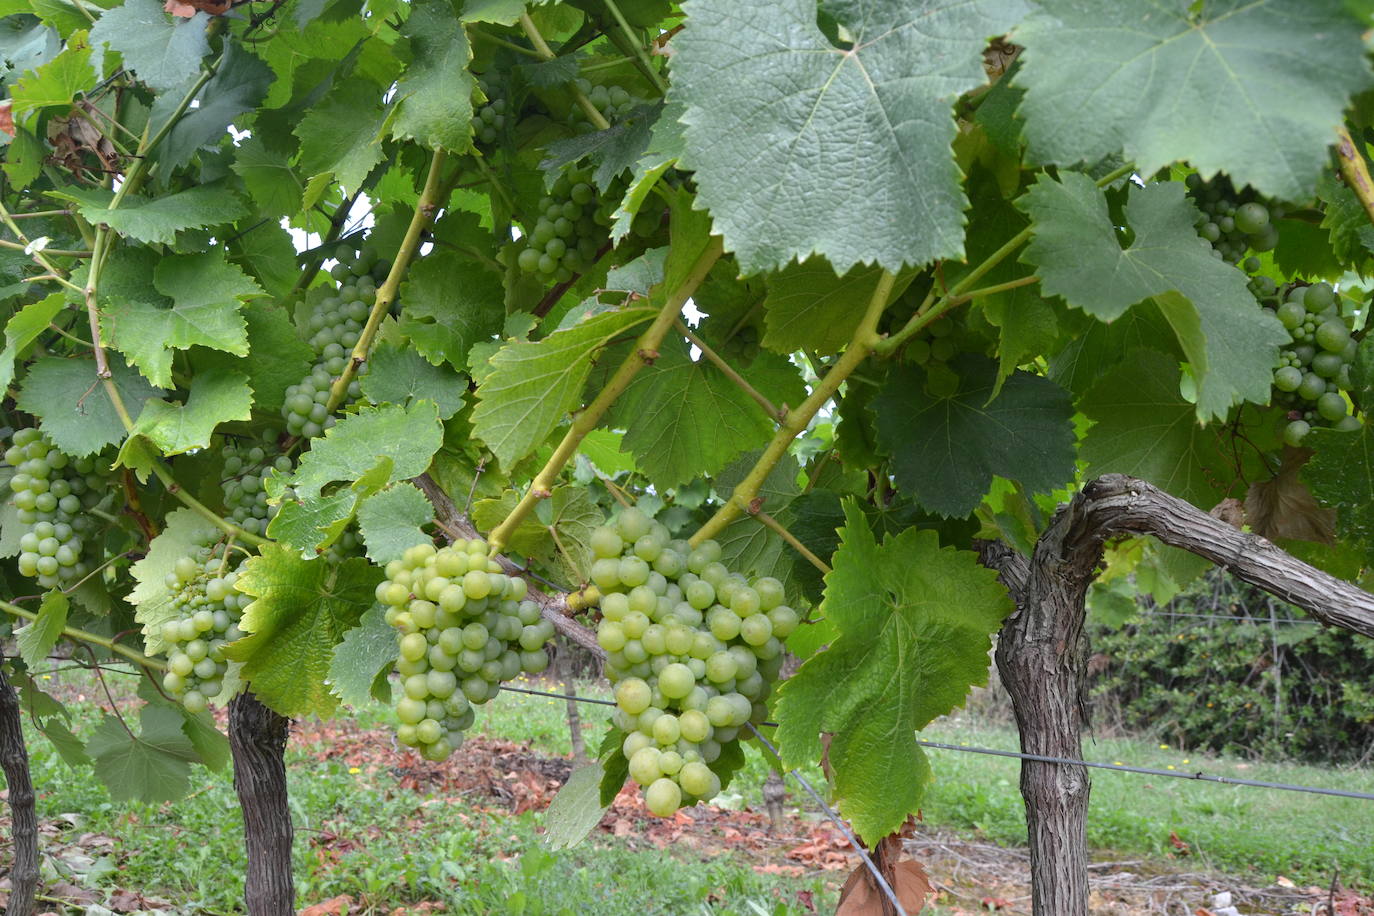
(613, 102)
(572, 226)
(463, 627)
(208, 608)
(246, 467)
(692, 649)
(334, 324)
(488, 116)
(1313, 372)
(1234, 222)
(53, 495)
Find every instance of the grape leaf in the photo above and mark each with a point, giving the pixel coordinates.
(534, 385)
(391, 521)
(56, 83)
(400, 375)
(1230, 341)
(611, 151)
(434, 98)
(216, 396)
(1143, 426)
(497, 12)
(23, 329)
(1341, 474)
(157, 219)
(239, 85)
(685, 419)
(1254, 88)
(199, 728)
(406, 436)
(74, 409)
(270, 178)
(915, 623)
(808, 306)
(163, 51)
(444, 319)
(606, 449)
(150, 767)
(182, 532)
(341, 135)
(946, 450)
(301, 612)
(569, 511)
(576, 809)
(787, 132)
(665, 146)
(358, 672)
(37, 639)
(745, 544)
(69, 747)
(277, 357)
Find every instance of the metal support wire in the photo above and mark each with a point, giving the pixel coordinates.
(838, 822)
(1021, 755)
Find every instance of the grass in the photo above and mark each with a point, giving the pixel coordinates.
(469, 861)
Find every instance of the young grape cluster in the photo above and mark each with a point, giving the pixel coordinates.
(1233, 221)
(334, 325)
(614, 103)
(208, 609)
(53, 495)
(1315, 369)
(571, 228)
(463, 628)
(692, 649)
(489, 117)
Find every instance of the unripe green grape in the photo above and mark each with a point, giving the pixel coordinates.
(644, 765)
(1332, 407)
(663, 797)
(1318, 297)
(633, 696)
(1313, 386)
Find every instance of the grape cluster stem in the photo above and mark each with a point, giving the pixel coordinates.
(587, 420)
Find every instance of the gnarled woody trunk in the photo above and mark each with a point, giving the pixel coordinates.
(14, 760)
(1041, 652)
(257, 738)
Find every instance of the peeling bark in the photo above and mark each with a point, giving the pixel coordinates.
(257, 738)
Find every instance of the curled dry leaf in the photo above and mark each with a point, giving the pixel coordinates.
(1283, 506)
(7, 117)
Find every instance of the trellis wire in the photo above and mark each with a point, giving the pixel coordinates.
(1040, 758)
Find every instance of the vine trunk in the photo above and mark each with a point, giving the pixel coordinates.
(14, 760)
(257, 738)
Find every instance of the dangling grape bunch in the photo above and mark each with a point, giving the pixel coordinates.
(1315, 369)
(463, 628)
(489, 116)
(53, 495)
(245, 468)
(571, 227)
(1234, 222)
(334, 325)
(692, 650)
(208, 608)
(613, 102)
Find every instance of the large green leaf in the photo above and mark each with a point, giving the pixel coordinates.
(152, 766)
(406, 436)
(23, 329)
(74, 409)
(400, 375)
(37, 639)
(302, 609)
(205, 294)
(341, 136)
(277, 357)
(915, 623)
(1254, 88)
(216, 396)
(1144, 427)
(534, 385)
(444, 319)
(434, 98)
(809, 307)
(270, 178)
(56, 83)
(1231, 342)
(946, 449)
(1341, 474)
(362, 660)
(802, 146)
(157, 219)
(238, 86)
(392, 521)
(163, 51)
(685, 419)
